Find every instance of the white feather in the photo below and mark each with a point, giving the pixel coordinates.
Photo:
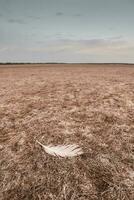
(62, 150)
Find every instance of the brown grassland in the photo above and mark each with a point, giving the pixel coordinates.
(90, 105)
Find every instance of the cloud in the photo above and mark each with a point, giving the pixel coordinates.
(103, 46)
(96, 42)
(59, 13)
(7, 48)
(34, 17)
(17, 21)
(2, 49)
(77, 15)
(88, 46)
(119, 37)
(74, 15)
(67, 50)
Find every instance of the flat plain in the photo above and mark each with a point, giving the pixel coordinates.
(90, 105)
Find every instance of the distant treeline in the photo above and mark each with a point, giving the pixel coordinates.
(27, 63)
(30, 63)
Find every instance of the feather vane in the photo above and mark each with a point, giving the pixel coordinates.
(62, 150)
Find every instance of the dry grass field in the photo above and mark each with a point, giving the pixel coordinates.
(90, 105)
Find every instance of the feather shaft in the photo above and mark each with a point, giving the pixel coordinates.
(62, 150)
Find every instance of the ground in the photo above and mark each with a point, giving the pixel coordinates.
(90, 105)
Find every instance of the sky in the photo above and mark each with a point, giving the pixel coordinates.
(93, 31)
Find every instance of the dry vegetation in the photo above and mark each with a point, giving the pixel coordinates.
(92, 106)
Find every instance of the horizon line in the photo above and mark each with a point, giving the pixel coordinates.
(23, 63)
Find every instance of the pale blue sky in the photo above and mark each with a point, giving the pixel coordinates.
(67, 31)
